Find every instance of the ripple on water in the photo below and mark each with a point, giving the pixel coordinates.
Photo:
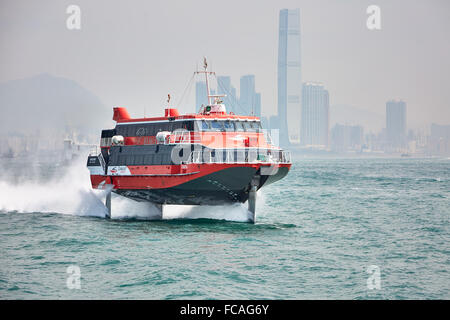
(317, 231)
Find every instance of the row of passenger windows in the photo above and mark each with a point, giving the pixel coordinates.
(142, 155)
(140, 159)
(118, 159)
(151, 129)
(228, 125)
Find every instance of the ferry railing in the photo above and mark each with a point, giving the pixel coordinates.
(241, 157)
(285, 157)
(196, 157)
(267, 136)
(182, 137)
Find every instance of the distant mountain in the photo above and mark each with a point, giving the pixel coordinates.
(345, 114)
(45, 101)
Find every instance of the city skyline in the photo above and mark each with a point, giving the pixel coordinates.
(136, 65)
(303, 121)
(396, 123)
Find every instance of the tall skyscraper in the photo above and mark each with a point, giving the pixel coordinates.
(247, 93)
(224, 87)
(234, 100)
(315, 115)
(257, 105)
(200, 95)
(289, 76)
(439, 140)
(396, 123)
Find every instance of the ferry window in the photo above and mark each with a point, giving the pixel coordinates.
(166, 159)
(108, 133)
(188, 125)
(140, 131)
(216, 125)
(122, 160)
(120, 131)
(176, 125)
(197, 125)
(148, 159)
(161, 127)
(139, 159)
(157, 159)
(228, 125)
(239, 126)
(255, 126)
(149, 130)
(205, 126)
(247, 126)
(131, 130)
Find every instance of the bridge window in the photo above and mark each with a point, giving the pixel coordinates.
(205, 126)
(216, 125)
(228, 125)
(239, 126)
(247, 126)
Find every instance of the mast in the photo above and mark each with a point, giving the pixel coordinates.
(207, 73)
(205, 66)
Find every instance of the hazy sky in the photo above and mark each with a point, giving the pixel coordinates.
(132, 53)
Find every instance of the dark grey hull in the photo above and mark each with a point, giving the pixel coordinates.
(223, 187)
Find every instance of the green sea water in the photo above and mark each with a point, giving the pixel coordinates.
(320, 232)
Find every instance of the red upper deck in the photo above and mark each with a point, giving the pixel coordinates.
(121, 115)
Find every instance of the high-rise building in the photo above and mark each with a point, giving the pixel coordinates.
(247, 93)
(346, 138)
(315, 115)
(396, 123)
(200, 95)
(274, 122)
(289, 76)
(439, 140)
(257, 105)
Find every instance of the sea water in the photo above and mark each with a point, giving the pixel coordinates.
(332, 229)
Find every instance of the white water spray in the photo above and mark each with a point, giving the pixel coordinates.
(67, 193)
